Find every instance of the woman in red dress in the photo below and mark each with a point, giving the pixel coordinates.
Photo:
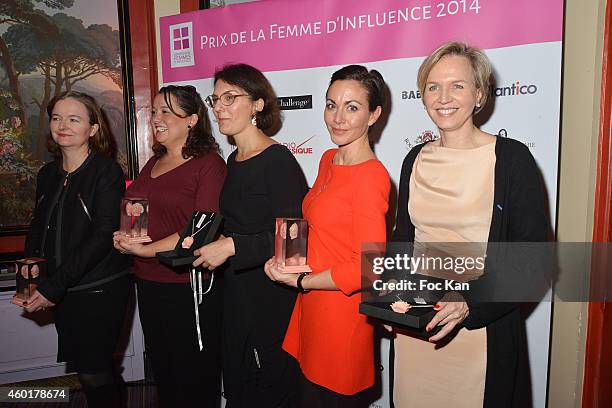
(346, 207)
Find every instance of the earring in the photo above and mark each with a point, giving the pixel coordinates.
(188, 126)
(478, 105)
(254, 120)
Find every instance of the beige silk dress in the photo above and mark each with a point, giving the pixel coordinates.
(451, 200)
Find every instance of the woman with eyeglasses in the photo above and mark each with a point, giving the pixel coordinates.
(185, 175)
(264, 181)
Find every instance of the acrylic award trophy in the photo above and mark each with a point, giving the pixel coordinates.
(135, 219)
(27, 277)
(201, 229)
(291, 245)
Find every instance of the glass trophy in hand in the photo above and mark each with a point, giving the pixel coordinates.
(135, 219)
(28, 274)
(291, 245)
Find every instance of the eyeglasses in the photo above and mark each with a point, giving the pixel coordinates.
(226, 99)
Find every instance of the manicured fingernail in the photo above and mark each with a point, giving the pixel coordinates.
(436, 306)
(431, 341)
(427, 329)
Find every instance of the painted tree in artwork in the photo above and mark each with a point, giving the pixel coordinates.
(74, 54)
(43, 52)
(17, 166)
(23, 12)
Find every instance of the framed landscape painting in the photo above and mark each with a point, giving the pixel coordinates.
(47, 47)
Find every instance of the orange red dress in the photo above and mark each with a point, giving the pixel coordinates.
(332, 342)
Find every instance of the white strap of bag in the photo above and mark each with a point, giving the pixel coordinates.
(195, 277)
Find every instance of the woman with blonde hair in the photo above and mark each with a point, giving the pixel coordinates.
(466, 186)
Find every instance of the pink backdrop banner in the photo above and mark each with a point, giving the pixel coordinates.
(276, 35)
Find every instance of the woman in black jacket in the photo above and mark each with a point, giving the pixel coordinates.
(264, 181)
(466, 187)
(77, 209)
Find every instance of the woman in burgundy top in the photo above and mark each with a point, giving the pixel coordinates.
(185, 175)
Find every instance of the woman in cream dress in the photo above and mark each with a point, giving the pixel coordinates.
(467, 186)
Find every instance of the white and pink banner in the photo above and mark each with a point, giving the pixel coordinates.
(299, 44)
(280, 35)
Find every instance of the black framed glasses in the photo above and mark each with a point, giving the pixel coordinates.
(226, 99)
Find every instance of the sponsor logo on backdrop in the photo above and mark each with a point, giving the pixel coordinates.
(298, 148)
(412, 94)
(516, 89)
(425, 136)
(295, 102)
(503, 132)
(181, 45)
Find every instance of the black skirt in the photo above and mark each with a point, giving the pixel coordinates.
(89, 323)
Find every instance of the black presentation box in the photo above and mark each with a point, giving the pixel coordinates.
(412, 322)
(202, 228)
(378, 306)
(415, 318)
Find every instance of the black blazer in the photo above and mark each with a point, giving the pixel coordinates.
(519, 215)
(86, 219)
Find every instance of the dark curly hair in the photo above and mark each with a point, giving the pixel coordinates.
(372, 81)
(102, 142)
(199, 138)
(258, 87)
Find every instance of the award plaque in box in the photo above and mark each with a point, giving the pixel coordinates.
(415, 315)
(291, 245)
(408, 310)
(27, 276)
(135, 219)
(412, 321)
(201, 229)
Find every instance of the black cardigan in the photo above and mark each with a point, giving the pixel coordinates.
(519, 215)
(84, 241)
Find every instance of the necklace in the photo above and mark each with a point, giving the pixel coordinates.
(188, 241)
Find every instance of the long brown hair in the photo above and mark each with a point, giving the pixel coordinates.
(102, 141)
(199, 138)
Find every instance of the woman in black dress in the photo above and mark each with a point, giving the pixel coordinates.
(78, 197)
(264, 181)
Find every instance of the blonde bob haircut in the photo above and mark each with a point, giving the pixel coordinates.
(481, 67)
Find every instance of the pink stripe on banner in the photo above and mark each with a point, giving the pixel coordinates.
(276, 35)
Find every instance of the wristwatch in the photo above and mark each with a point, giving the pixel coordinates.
(298, 284)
